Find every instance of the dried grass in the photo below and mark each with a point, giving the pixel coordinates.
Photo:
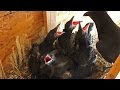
(2, 73)
(19, 56)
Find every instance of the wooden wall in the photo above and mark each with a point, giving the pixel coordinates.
(56, 17)
(18, 30)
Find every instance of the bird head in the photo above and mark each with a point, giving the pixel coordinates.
(56, 28)
(87, 13)
(85, 28)
(51, 36)
(69, 26)
(91, 13)
(57, 32)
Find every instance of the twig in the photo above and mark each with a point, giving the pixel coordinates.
(2, 70)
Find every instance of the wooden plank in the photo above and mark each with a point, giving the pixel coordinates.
(45, 21)
(118, 76)
(114, 70)
(51, 19)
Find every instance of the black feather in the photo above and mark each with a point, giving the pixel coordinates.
(47, 44)
(108, 35)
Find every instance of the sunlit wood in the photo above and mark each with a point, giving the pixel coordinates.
(114, 70)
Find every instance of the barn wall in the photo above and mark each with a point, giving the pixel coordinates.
(18, 30)
(63, 16)
(56, 17)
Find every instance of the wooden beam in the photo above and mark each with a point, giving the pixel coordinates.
(51, 19)
(114, 70)
(45, 21)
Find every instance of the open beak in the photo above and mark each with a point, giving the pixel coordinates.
(59, 33)
(85, 28)
(74, 23)
(47, 59)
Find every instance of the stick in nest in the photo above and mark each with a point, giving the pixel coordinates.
(3, 75)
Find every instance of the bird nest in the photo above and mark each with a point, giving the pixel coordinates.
(103, 68)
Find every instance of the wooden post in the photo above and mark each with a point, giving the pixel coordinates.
(45, 21)
(51, 19)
